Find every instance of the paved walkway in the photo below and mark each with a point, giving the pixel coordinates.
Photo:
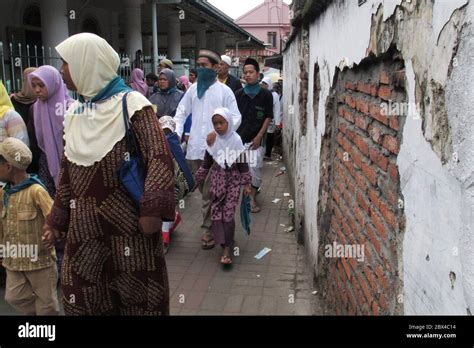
(277, 284)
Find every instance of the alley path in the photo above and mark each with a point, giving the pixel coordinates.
(263, 287)
(250, 286)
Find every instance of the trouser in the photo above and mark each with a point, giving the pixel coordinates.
(33, 292)
(256, 165)
(205, 189)
(269, 144)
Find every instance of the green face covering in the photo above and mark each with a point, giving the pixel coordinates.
(206, 78)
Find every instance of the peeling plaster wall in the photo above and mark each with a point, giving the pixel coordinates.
(436, 174)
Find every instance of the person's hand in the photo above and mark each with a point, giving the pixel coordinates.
(211, 138)
(49, 236)
(280, 126)
(256, 142)
(150, 224)
(247, 190)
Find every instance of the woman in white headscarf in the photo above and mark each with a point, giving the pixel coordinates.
(114, 260)
(229, 170)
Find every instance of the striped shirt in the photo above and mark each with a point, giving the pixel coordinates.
(21, 229)
(12, 125)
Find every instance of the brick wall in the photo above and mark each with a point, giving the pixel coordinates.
(360, 199)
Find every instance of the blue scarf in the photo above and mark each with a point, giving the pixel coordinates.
(115, 86)
(9, 189)
(178, 154)
(252, 90)
(206, 78)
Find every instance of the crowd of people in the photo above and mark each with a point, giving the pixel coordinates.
(62, 163)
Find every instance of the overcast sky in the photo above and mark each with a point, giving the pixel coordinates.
(236, 8)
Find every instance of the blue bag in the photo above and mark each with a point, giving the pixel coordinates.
(131, 173)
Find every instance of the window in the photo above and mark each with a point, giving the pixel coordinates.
(272, 39)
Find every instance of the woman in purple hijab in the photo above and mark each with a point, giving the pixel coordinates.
(48, 118)
(138, 84)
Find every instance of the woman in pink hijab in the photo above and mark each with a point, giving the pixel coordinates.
(137, 81)
(48, 117)
(184, 82)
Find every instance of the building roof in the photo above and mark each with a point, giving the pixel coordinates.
(206, 7)
(305, 11)
(241, 20)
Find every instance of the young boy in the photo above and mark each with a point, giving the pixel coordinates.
(184, 180)
(31, 267)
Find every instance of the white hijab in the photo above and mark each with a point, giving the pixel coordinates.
(228, 147)
(91, 134)
(269, 83)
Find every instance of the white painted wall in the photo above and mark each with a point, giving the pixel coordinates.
(438, 199)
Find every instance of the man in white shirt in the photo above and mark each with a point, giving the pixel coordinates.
(200, 100)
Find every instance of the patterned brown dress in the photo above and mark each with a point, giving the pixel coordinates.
(110, 267)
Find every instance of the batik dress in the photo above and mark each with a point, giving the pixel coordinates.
(110, 267)
(225, 193)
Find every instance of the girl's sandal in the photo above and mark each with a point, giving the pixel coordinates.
(225, 260)
(207, 244)
(255, 209)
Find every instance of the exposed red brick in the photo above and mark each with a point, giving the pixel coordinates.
(351, 85)
(361, 181)
(373, 239)
(362, 106)
(381, 277)
(369, 173)
(375, 308)
(359, 216)
(385, 93)
(374, 198)
(378, 224)
(350, 101)
(361, 122)
(365, 288)
(378, 158)
(393, 122)
(342, 127)
(391, 144)
(350, 134)
(375, 133)
(347, 270)
(374, 90)
(385, 77)
(349, 116)
(388, 216)
(383, 302)
(361, 144)
(364, 88)
(392, 198)
(393, 171)
(377, 113)
(341, 111)
(362, 202)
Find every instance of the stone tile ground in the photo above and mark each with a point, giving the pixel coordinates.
(278, 284)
